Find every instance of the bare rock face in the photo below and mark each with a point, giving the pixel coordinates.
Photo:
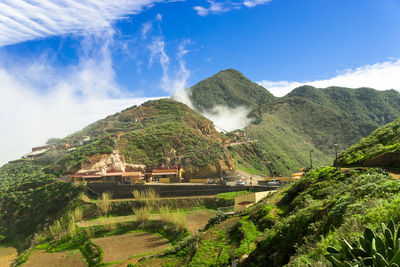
(102, 164)
(215, 170)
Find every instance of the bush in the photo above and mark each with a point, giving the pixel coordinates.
(142, 215)
(104, 204)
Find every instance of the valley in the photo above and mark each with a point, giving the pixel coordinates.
(160, 185)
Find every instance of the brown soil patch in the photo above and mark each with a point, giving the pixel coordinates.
(121, 247)
(39, 258)
(7, 255)
(196, 220)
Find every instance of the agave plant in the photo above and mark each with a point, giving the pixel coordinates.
(370, 250)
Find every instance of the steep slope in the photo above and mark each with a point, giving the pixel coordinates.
(381, 148)
(295, 225)
(160, 133)
(364, 104)
(228, 88)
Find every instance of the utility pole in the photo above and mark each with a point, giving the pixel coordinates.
(311, 158)
(336, 161)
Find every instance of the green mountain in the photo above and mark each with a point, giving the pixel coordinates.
(288, 128)
(363, 104)
(160, 133)
(381, 148)
(229, 88)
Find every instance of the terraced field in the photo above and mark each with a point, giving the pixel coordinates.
(123, 247)
(39, 258)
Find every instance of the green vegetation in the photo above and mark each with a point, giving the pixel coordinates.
(231, 195)
(228, 88)
(370, 250)
(328, 204)
(30, 201)
(72, 161)
(363, 104)
(153, 146)
(289, 128)
(381, 148)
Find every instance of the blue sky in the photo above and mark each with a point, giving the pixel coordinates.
(59, 61)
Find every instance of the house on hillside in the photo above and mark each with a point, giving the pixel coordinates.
(164, 175)
(89, 178)
(36, 152)
(109, 177)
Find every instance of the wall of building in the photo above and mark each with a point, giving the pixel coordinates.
(251, 197)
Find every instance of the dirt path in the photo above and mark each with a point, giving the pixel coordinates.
(122, 247)
(110, 220)
(197, 219)
(7, 255)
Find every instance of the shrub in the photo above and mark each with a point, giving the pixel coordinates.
(164, 212)
(78, 214)
(104, 204)
(142, 214)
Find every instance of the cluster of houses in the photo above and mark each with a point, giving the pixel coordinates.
(40, 150)
(162, 175)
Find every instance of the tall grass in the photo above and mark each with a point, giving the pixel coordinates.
(177, 218)
(110, 226)
(78, 214)
(149, 193)
(164, 214)
(104, 204)
(56, 230)
(142, 214)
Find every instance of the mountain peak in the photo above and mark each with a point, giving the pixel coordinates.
(228, 88)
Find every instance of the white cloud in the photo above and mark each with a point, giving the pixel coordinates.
(380, 76)
(218, 7)
(28, 20)
(228, 119)
(40, 100)
(253, 3)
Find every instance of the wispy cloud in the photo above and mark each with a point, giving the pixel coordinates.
(50, 101)
(172, 80)
(218, 7)
(28, 20)
(380, 76)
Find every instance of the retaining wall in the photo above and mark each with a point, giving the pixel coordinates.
(170, 190)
